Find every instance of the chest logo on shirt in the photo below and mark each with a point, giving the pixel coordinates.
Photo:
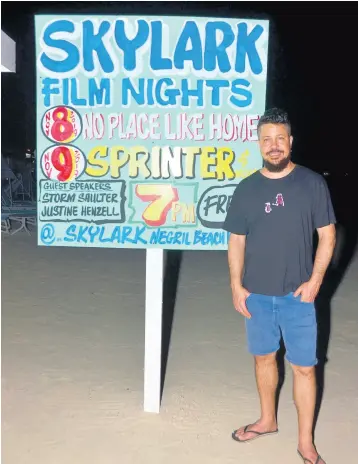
(279, 202)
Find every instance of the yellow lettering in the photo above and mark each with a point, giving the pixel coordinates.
(176, 207)
(190, 154)
(206, 161)
(117, 161)
(155, 162)
(188, 212)
(226, 158)
(243, 157)
(161, 198)
(138, 163)
(97, 167)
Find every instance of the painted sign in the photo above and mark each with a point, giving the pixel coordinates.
(145, 125)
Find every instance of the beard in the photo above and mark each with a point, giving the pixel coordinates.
(277, 167)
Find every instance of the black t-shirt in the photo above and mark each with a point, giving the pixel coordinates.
(279, 217)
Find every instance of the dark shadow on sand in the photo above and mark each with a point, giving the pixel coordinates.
(173, 260)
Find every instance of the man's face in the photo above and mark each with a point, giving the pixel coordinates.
(275, 145)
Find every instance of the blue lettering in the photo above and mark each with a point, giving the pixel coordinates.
(93, 231)
(162, 237)
(126, 235)
(75, 100)
(210, 238)
(237, 89)
(165, 93)
(104, 239)
(127, 87)
(157, 62)
(150, 93)
(73, 55)
(119, 234)
(154, 237)
(171, 94)
(81, 234)
(246, 46)
(93, 43)
(197, 237)
(177, 237)
(197, 93)
(116, 235)
(195, 53)
(138, 235)
(98, 94)
(70, 234)
(214, 52)
(216, 85)
(130, 47)
(48, 90)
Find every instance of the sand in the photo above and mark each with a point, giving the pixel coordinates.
(72, 365)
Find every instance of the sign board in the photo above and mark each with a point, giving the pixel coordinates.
(145, 125)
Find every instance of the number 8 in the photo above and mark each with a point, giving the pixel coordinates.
(62, 128)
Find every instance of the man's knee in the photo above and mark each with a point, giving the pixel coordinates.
(265, 359)
(304, 371)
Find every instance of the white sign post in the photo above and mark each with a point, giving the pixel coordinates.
(153, 329)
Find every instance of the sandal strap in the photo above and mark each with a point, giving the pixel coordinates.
(250, 431)
(310, 462)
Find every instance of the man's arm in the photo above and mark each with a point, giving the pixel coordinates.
(324, 253)
(236, 259)
(236, 256)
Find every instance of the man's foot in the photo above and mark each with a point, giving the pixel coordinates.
(309, 455)
(256, 430)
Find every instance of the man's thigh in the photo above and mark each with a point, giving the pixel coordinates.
(263, 332)
(299, 330)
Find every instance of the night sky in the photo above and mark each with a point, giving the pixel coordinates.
(312, 52)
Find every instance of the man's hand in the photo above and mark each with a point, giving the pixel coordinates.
(239, 296)
(308, 291)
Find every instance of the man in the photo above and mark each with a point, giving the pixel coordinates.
(272, 218)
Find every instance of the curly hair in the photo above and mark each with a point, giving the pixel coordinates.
(274, 116)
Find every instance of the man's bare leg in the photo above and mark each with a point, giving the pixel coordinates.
(304, 393)
(267, 382)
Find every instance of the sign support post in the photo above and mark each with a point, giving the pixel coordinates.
(153, 328)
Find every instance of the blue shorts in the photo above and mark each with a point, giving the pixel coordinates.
(273, 315)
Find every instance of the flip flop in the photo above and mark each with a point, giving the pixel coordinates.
(308, 461)
(256, 434)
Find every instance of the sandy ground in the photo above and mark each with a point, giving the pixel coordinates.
(72, 365)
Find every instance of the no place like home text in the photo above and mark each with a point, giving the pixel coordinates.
(181, 126)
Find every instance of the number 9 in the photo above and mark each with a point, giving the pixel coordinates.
(63, 161)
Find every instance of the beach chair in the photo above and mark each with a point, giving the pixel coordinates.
(16, 184)
(5, 223)
(24, 215)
